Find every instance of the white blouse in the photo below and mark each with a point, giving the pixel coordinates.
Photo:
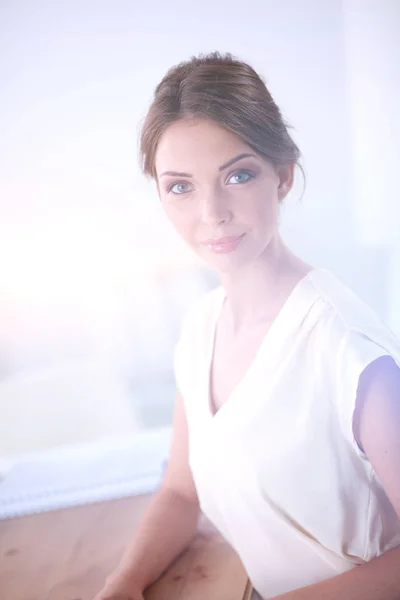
(277, 468)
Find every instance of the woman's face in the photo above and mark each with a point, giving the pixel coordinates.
(221, 197)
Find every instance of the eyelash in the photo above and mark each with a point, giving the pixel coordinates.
(250, 174)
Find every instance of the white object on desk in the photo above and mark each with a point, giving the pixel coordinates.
(83, 474)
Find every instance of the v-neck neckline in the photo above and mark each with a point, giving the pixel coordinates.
(280, 327)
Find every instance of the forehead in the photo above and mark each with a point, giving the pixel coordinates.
(192, 145)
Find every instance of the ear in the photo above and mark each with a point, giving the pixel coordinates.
(286, 178)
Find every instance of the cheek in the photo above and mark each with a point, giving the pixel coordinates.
(262, 211)
(181, 220)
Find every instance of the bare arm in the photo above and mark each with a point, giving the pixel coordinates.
(168, 525)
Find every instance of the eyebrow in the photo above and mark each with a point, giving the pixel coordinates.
(233, 160)
(221, 168)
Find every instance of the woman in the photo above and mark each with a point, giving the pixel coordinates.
(287, 421)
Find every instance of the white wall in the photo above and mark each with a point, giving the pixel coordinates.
(372, 49)
(81, 232)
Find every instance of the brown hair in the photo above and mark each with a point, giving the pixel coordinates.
(226, 90)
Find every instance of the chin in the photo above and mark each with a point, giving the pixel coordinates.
(224, 263)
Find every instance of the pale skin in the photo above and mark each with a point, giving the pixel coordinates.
(214, 199)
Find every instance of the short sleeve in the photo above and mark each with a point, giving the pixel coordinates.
(188, 350)
(178, 360)
(356, 351)
(181, 352)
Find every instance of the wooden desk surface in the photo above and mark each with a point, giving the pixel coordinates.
(66, 555)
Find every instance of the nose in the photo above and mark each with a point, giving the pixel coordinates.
(215, 209)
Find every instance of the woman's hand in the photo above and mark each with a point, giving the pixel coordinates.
(120, 587)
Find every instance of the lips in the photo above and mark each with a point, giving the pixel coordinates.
(224, 240)
(224, 244)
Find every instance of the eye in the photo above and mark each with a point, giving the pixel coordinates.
(242, 176)
(181, 187)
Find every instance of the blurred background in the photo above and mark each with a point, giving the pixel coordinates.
(93, 280)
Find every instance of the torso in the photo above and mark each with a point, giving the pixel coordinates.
(283, 429)
(233, 355)
(232, 358)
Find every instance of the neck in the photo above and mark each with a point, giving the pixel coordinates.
(256, 292)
